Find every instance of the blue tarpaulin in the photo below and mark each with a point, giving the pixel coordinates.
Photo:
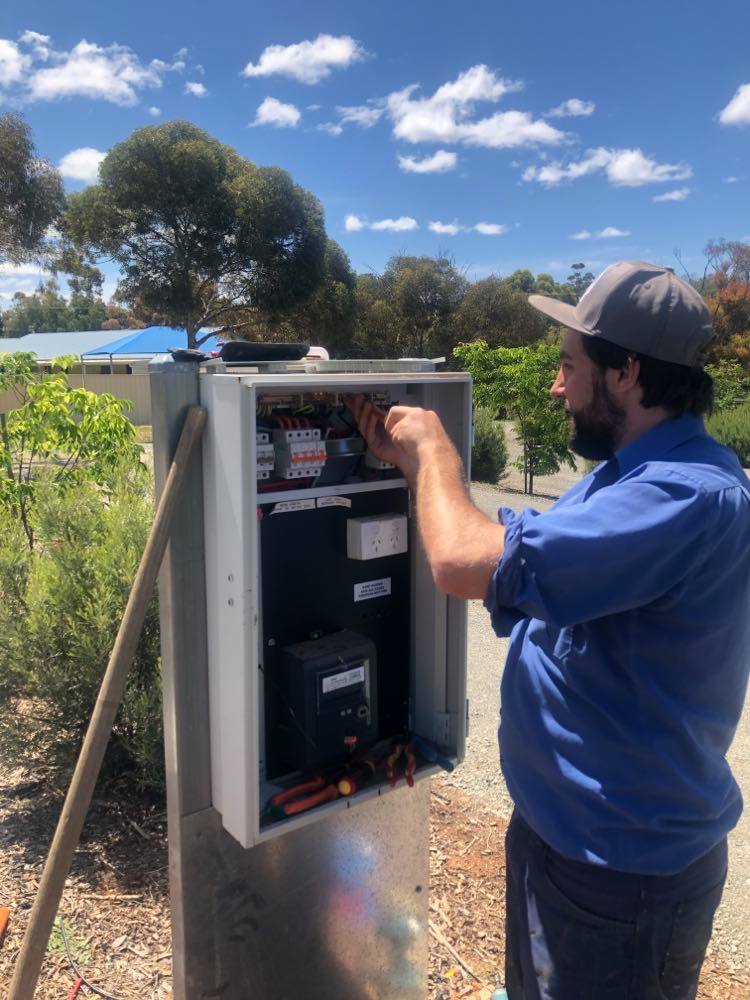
(153, 340)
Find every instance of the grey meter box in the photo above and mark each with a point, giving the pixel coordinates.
(329, 646)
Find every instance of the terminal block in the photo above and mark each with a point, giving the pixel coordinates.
(373, 462)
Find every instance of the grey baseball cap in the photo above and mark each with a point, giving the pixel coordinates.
(641, 307)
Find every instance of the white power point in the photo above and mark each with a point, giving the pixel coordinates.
(376, 536)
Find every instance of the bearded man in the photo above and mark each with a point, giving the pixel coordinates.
(628, 611)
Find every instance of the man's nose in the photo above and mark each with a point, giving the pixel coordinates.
(558, 386)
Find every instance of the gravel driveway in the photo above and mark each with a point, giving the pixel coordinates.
(480, 774)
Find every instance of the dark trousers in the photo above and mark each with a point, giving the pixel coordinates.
(576, 931)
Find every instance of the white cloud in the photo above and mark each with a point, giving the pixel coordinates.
(403, 224)
(732, 180)
(310, 61)
(679, 194)
(113, 74)
(438, 163)
(330, 127)
(737, 112)
(15, 278)
(624, 168)
(445, 228)
(490, 228)
(446, 116)
(13, 62)
(154, 111)
(276, 113)
(573, 108)
(82, 164)
(632, 168)
(39, 43)
(20, 269)
(363, 115)
(195, 89)
(34, 38)
(608, 233)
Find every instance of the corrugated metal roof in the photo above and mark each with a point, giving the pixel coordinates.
(146, 343)
(51, 345)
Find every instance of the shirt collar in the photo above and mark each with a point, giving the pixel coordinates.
(659, 441)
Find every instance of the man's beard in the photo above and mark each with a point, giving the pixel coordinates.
(595, 431)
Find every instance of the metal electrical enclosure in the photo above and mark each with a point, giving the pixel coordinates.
(328, 642)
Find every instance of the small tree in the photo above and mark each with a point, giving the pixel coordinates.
(489, 455)
(31, 193)
(56, 430)
(518, 380)
(197, 230)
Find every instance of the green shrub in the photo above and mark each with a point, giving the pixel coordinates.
(731, 384)
(60, 607)
(732, 428)
(489, 454)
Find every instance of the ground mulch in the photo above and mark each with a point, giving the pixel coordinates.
(115, 908)
(467, 904)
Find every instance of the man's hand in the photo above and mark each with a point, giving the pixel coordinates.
(403, 436)
(462, 545)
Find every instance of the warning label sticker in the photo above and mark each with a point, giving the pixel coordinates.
(286, 506)
(334, 502)
(372, 588)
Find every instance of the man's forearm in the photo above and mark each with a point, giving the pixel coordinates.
(462, 544)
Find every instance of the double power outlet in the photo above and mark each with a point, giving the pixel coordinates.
(376, 536)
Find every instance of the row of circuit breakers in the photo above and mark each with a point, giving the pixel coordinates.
(301, 453)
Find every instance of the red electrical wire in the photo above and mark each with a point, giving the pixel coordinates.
(76, 987)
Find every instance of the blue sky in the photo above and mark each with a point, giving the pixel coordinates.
(508, 134)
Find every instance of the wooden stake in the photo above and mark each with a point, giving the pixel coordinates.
(78, 799)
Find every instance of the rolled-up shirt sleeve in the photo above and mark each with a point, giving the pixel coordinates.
(623, 547)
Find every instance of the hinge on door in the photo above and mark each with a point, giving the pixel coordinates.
(443, 728)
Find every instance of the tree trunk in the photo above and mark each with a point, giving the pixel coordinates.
(191, 331)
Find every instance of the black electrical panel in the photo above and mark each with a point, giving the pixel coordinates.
(330, 684)
(311, 594)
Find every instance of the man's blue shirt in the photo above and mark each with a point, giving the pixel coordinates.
(628, 610)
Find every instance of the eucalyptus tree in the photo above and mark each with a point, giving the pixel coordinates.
(197, 230)
(31, 194)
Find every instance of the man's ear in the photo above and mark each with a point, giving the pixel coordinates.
(627, 377)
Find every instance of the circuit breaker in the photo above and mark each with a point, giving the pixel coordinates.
(337, 671)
